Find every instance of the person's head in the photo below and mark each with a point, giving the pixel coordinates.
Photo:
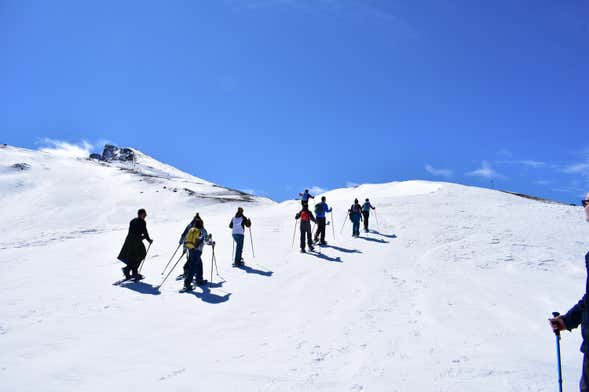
(141, 213)
(355, 201)
(323, 198)
(239, 211)
(305, 207)
(306, 191)
(198, 224)
(367, 201)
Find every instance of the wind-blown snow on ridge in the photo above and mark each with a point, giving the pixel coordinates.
(451, 291)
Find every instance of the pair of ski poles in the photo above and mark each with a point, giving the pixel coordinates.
(294, 233)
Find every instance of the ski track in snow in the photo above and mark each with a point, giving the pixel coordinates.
(450, 292)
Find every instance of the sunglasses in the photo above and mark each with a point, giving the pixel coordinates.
(585, 203)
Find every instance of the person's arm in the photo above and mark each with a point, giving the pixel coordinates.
(327, 208)
(298, 215)
(247, 222)
(373, 207)
(572, 319)
(231, 224)
(184, 234)
(312, 217)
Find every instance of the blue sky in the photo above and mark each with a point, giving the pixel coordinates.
(278, 95)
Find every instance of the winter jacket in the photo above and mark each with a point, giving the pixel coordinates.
(239, 223)
(194, 239)
(321, 209)
(133, 249)
(579, 314)
(305, 196)
(305, 216)
(367, 206)
(355, 212)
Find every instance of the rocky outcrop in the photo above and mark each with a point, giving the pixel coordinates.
(114, 153)
(21, 166)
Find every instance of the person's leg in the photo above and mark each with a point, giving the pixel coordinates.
(198, 266)
(303, 231)
(189, 271)
(322, 225)
(365, 215)
(309, 237)
(584, 384)
(238, 247)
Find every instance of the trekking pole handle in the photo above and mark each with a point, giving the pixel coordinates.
(555, 315)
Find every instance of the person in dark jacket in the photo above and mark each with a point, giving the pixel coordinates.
(579, 315)
(306, 217)
(196, 222)
(355, 213)
(133, 251)
(320, 210)
(194, 242)
(238, 224)
(366, 207)
(305, 196)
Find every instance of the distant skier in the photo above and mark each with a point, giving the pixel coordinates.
(305, 196)
(238, 223)
(579, 315)
(366, 207)
(194, 242)
(306, 217)
(133, 251)
(320, 210)
(355, 213)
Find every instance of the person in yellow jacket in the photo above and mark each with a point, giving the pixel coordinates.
(194, 242)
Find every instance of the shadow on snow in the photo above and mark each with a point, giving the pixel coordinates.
(379, 240)
(325, 257)
(384, 235)
(340, 249)
(207, 296)
(255, 271)
(141, 287)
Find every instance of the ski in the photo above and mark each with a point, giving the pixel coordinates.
(118, 282)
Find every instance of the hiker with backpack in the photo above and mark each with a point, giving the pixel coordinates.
(320, 210)
(238, 223)
(194, 242)
(366, 207)
(305, 196)
(306, 218)
(355, 213)
(133, 251)
(192, 224)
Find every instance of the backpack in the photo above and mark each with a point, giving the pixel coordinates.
(318, 208)
(192, 238)
(304, 216)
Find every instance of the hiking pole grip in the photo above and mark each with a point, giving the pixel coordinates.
(557, 333)
(555, 315)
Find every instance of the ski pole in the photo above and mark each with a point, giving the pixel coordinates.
(215, 260)
(170, 272)
(294, 233)
(344, 225)
(252, 242)
(557, 333)
(376, 219)
(212, 258)
(332, 225)
(146, 252)
(233, 250)
(171, 258)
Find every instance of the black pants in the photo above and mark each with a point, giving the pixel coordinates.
(132, 267)
(320, 229)
(365, 215)
(306, 233)
(584, 387)
(193, 266)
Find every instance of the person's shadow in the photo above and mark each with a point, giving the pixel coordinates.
(141, 287)
(207, 296)
(325, 257)
(379, 240)
(340, 249)
(384, 235)
(255, 271)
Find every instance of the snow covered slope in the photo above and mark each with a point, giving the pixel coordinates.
(450, 292)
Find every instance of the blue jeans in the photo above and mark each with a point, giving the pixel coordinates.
(193, 266)
(238, 238)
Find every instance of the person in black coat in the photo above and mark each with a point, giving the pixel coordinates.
(579, 315)
(133, 251)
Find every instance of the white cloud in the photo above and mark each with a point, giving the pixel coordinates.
(351, 184)
(317, 190)
(66, 149)
(577, 168)
(446, 173)
(485, 171)
(525, 162)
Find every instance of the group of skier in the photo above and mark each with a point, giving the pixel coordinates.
(194, 238)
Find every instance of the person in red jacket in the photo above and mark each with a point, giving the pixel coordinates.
(306, 217)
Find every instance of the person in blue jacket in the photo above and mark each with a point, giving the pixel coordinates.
(355, 213)
(305, 196)
(320, 210)
(579, 315)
